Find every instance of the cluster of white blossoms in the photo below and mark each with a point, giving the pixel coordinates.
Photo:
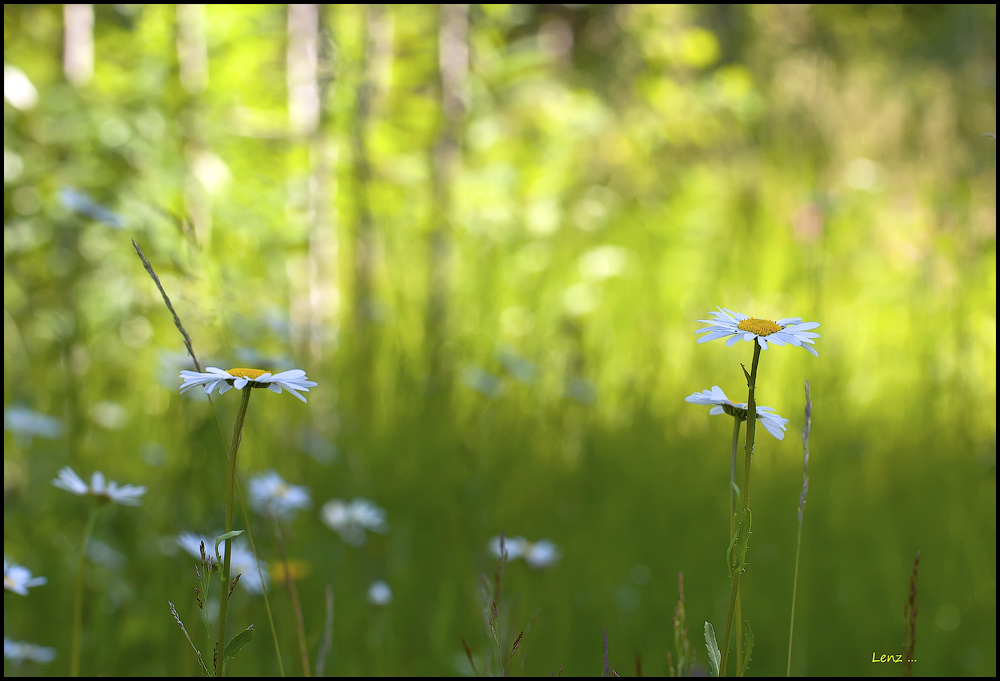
(294, 380)
(537, 554)
(350, 520)
(103, 492)
(721, 404)
(269, 494)
(242, 562)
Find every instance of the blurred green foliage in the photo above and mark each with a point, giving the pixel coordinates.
(487, 232)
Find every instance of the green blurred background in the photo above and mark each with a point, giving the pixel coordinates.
(488, 233)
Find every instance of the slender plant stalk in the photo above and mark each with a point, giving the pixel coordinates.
(732, 527)
(293, 592)
(745, 492)
(74, 658)
(220, 647)
(802, 504)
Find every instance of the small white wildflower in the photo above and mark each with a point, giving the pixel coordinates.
(771, 421)
(127, 495)
(18, 652)
(350, 520)
(18, 578)
(293, 380)
(379, 593)
(242, 562)
(270, 494)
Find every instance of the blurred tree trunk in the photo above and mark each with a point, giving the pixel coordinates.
(377, 42)
(192, 61)
(453, 67)
(78, 43)
(310, 75)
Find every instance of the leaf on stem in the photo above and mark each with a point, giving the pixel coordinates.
(235, 645)
(747, 647)
(714, 654)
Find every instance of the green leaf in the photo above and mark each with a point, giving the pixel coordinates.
(235, 645)
(201, 662)
(714, 654)
(222, 538)
(747, 646)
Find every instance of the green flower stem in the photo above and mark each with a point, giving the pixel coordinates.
(74, 658)
(751, 422)
(220, 647)
(732, 528)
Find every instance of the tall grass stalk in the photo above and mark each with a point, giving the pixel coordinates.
(745, 515)
(74, 657)
(294, 595)
(802, 503)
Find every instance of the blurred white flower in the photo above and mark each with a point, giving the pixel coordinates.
(18, 579)
(539, 554)
(293, 380)
(242, 562)
(379, 593)
(28, 422)
(772, 421)
(127, 495)
(269, 494)
(18, 652)
(350, 520)
(514, 546)
(542, 554)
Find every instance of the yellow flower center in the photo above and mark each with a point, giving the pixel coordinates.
(761, 327)
(248, 373)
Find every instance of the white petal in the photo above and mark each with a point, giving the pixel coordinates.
(240, 382)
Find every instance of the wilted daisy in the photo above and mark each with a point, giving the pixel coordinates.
(18, 652)
(350, 520)
(270, 494)
(103, 492)
(790, 330)
(379, 593)
(293, 380)
(18, 579)
(771, 421)
(242, 562)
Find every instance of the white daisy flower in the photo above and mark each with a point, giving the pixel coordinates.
(789, 330)
(293, 380)
(270, 494)
(18, 579)
(242, 562)
(379, 593)
(768, 418)
(127, 495)
(515, 547)
(350, 520)
(18, 652)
